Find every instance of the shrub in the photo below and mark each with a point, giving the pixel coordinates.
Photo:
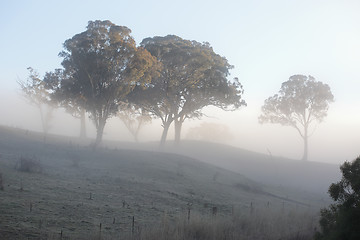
(342, 219)
(27, 164)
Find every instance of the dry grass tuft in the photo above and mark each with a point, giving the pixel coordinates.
(269, 224)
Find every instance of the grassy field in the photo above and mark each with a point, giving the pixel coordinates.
(310, 176)
(74, 192)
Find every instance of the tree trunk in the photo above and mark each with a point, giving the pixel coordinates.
(136, 138)
(99, 132)
(166, 126)
(305, 156)
(137, 130)
(42, 119)
(178, 125)
(43, 124)
(82, 124)
(45, 118)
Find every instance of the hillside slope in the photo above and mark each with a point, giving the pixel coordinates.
(310, 176)
(75, 189)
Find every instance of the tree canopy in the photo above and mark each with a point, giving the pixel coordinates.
(301, 101)
(167, 77)
(63, 96)
(193, 76)
(342, 219)
(102, 65)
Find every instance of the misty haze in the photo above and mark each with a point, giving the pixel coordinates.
(190, 120)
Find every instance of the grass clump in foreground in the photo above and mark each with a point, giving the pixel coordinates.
(27, 164)
(266, 223)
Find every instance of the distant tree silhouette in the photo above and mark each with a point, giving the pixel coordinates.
(300, 101)
(61, 96)
(342, 219)
(210, 132)
(35, 90)
(193, 76)
(134, 118)
(102, 65)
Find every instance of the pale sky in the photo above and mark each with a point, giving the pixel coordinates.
(266, 41)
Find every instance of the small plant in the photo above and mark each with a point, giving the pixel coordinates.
(27, 164)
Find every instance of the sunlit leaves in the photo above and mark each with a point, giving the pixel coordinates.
(192, 76)
(102, 66)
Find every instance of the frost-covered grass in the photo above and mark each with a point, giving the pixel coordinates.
(85, 194)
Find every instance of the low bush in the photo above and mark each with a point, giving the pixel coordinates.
(341, 220)
(26, 164)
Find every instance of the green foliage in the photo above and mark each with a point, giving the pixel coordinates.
(102, 65)
(193, 76)
(62, 95)
(342, 219)
(173, 78)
